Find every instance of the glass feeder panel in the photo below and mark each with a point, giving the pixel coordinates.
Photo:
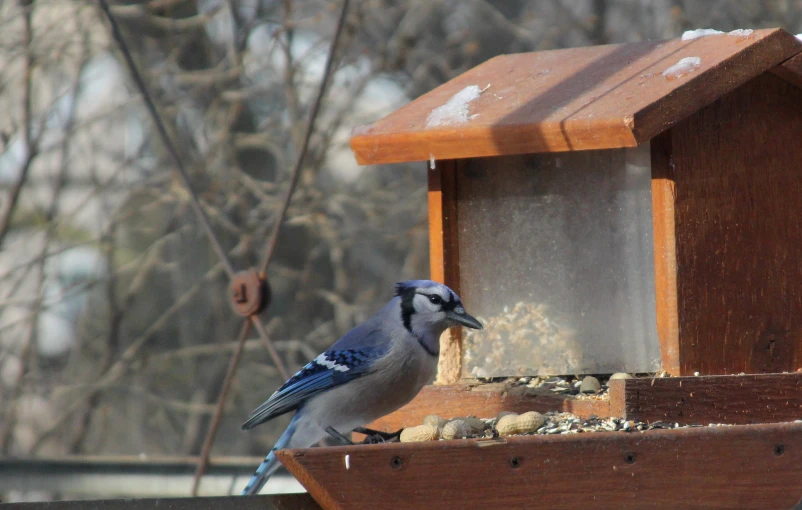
(556, 259)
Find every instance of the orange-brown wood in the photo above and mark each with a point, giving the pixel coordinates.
(597, 97)
(485, 401)
(665, 254)
(618, 401)
(739, 467)
(737, 187)
(732, 399)
(443, 247)
(444, 258)
(790, 70)
(437, 254)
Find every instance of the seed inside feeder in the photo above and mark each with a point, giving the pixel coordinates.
(527, 326)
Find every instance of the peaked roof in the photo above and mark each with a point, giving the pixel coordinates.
(599, 97)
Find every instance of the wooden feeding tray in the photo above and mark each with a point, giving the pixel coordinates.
(623, 208)
(745, 451)
(726, 399)
(737, 467)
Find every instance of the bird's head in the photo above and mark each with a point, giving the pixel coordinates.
(431, 306)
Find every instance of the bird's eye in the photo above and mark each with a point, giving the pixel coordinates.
(436, 300)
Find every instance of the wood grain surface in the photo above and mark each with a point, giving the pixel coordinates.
(790, 70)
(485, 401)
(598, 97)
(735, 168)
(444, 258)
(738, 467)
(665, 253)
(731, 399)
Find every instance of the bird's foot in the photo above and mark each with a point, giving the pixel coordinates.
(377, 436)
(339, 437)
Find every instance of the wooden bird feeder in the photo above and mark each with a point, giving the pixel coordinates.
(651, 214)
(621, 208)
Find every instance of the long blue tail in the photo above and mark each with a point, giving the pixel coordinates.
(271, 463)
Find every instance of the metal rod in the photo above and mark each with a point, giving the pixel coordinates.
(195, 201)
(260, 328)
(310, 127)
(168, 143)
(179, 166)
(203, 462)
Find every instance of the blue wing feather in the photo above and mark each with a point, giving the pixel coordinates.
(327, 371)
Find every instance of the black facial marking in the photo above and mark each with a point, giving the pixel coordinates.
(452, 303)
(407, 295)
(407, 308)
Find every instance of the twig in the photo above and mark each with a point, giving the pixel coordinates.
(27, 124)
(217, 349)
(118, 369)
(140, 14)
(171, 403)
(290, 91)
(115, 318)
(28, 351)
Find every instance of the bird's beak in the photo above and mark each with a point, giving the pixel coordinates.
(460, 316)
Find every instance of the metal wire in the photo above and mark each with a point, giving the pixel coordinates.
(310, 126)
(270, 250)
(179, 166)
(203, 462)
(168, 142)
(206, 451)
(196, 205)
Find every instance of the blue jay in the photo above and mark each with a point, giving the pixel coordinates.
(374, 369)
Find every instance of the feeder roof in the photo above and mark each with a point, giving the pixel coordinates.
(598, 97)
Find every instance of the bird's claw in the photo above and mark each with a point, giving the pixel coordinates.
(339, 437)
(373, 439)
(377, 436)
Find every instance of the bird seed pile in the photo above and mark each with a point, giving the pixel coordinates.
(526, 327)
(581, 388)
(531, 423)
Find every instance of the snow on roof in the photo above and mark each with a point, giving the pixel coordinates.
(455, 110)
(690, 35)
(684, 66)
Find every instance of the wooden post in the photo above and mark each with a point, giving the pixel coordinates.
(665, 253)
(444, 258)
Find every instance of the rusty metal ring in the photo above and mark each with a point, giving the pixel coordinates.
(250, 293)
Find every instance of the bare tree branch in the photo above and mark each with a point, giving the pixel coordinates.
(27, 123)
